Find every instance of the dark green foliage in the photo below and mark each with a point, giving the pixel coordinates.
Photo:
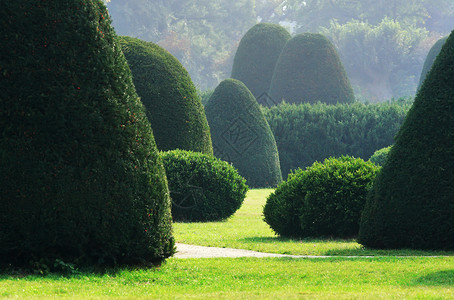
(323, 200)
(306, 133)
(241, 135)
(411, 204)
(309, 70)
(430, 59)
(257, 55)
(170, 98)
(80, 177)
(202, 187)
(205, 95)
(379, 157)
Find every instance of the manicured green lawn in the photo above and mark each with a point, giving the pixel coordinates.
(384, 277)
(388, 278)
(247, 230)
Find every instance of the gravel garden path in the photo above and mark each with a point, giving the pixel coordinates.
(192, 251)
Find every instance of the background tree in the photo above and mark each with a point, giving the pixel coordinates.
(202, 34)
(381, 61)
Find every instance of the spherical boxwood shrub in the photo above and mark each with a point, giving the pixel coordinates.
(326, 199)
(241, 135)
(80, 176)
(172, 103)
(430, 59)
(257, 54)
(411, 203)
(310, 70)
(379, 157)
(202, 187)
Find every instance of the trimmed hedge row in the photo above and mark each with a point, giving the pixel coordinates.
(307, 133)
(325, 200)
(202, 187)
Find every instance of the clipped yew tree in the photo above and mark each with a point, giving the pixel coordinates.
(256, 56)
(171, 101)
(430, 59)
(241, 135)
(411, 203)
(310, 70)
(80, 177)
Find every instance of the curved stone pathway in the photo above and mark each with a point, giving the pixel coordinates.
(192, 251)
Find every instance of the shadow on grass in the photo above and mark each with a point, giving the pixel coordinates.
(441, 278)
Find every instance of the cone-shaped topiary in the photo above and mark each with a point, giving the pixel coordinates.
(171, 101)
(412, 201)
(256, 56)
(80, 176)
(430, 59)
(241, 135)
(309, 70)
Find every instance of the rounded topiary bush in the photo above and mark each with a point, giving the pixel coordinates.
(379, 157)
(80, 176)
(241, 135)
(310, 70)
(171, 100)
(430, 59)
(256, 56)
(326, 199)
(202, 187)
(411, 203)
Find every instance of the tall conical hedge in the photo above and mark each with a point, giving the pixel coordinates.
(412, 201)
(256, 56)
(430, 59)
(170, 98)
(80, 176)
(241, 135)
(309, 70)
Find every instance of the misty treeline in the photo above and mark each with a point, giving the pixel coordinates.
(382, 43)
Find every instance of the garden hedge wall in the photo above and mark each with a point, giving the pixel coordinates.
(307, 133)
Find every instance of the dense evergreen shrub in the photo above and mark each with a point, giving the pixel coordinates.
(430, 59)
(241, 135)
(202, 187)
(411, 204)
(309, 70)
(257, 54)
(172, 104)
(80, 176)
(306, 133)
(326, 199)
(205, 95)
(379, 157)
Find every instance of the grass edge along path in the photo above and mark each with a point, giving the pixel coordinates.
(246, 278)
(247, 230)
